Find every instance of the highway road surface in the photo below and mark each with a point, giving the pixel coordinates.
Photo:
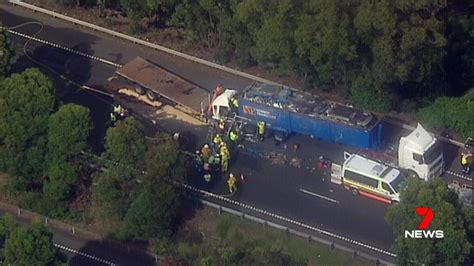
(300, 194)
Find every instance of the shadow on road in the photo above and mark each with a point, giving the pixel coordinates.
(106, 252)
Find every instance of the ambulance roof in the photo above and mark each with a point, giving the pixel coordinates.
(364, 165)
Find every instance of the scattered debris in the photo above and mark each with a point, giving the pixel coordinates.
(296, 162)
(276, 158)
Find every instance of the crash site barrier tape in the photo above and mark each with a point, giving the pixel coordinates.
(139, 41)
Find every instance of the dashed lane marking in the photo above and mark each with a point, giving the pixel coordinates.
(65, 48)
(317, 195)
(460, 175)
(281, 218)
(84, 254)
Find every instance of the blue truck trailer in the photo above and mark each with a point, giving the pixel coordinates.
(290, 111)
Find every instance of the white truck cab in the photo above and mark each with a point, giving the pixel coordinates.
(220, 105)
(421, 154)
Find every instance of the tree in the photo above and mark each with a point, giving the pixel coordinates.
(324, 38)
(270, 25)
(6, 51)
(7, 225)
(366, 94)
(450, 114)
(26, 101)
(152, 213)
(451, 250)
(68, 130)
(459, 62)
(164, 159)
(401, 46)
(113, 196)
(61, 176)
(32, 246)
(125, 145)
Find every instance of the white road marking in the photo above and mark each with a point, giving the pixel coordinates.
(84, 254)
(92, 57)
(459, 175)
(317, 195)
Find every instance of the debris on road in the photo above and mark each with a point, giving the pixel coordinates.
(296, 162)
(276, 158)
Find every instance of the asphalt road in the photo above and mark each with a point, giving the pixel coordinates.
(275, 188)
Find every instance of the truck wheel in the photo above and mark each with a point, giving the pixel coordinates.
(151, 95)
(140, 90)
(412, 174)
(354, 191)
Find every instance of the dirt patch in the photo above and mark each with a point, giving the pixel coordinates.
(142, 98)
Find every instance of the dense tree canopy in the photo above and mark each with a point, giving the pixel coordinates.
(125, 142)
(26, 101)
(449, 217)
(152, 213)
(27, 246)
(68, 131)
(155, 202)
(455, 113)
(5, 51)
(385, 54)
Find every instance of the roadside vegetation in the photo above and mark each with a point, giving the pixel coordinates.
(212, 239)
(383, 55)
(45, 151)
(27, 246)
(450, 215)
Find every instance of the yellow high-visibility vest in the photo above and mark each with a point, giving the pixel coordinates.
(233, 136)
(261, 127)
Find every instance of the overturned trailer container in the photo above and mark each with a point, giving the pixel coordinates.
(290, 111)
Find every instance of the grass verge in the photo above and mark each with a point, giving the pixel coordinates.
(212, 239)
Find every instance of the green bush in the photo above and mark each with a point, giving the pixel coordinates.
(366, 96)
(42, 204)
(450, 114)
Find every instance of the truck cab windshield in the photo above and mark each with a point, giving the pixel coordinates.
(432, 153)
(398, 183)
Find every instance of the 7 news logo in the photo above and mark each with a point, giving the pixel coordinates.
(428, 216)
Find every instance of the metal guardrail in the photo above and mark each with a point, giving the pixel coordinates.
(73, 230)
(139, 41)
(182, 55)
(306, 236)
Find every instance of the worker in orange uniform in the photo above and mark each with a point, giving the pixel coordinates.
(222, 125)
(205, 151)
(232, 182)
